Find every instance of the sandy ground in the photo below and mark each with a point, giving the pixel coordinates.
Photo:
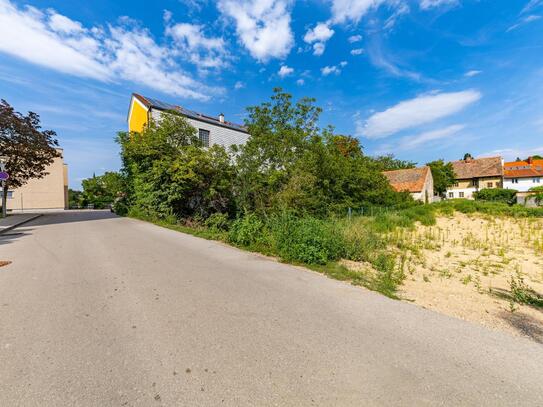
(464, 267)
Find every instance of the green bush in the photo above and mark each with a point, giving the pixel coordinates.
(307, 240)
(246, 230)
(508, 196)
(218, 222)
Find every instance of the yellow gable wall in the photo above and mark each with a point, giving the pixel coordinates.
(138, 116)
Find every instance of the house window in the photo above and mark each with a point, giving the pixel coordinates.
(460, 194)
(514, 180)
(456, 184)
(10, 194)
(203, 135)
(537, 180)
(490, 185)
(451, 194)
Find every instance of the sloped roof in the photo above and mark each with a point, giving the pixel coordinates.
(411, 179)
(159, 105)
(478, 167)
(523, 169)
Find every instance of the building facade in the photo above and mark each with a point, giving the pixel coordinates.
(211, 130)
(417, 181)
(474, 174)
(49, 192)
(523, 175)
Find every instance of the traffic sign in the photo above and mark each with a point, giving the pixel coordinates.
(4, 176)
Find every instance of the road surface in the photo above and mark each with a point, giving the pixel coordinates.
(97, 310)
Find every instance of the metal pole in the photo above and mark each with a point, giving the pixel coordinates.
(4, 201)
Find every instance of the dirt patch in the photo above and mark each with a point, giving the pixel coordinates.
(4, 263)
(463, 267)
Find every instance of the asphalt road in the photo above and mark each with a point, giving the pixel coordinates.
(97, 310)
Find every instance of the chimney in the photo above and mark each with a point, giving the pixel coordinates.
(221, 118)
(530, 160)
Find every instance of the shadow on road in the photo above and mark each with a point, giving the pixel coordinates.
(525, 324)
(55, 218)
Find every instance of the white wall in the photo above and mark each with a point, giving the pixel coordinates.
(524, 184)
(223, 136)
(468, 193)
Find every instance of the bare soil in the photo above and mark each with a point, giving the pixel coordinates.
(463, 267)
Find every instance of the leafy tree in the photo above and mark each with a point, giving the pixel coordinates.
(389, 162)
(75, 198)
(537, 157)
(29, 150)
(290, 163)
(467, 156)
(101, 191)
(538, 194)
(169, 172)
(443, 175)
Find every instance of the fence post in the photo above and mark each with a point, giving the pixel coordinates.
(349, 212)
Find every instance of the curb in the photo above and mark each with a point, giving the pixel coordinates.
(8, 228)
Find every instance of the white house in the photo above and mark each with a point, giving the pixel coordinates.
(211, 130)
(523, 175)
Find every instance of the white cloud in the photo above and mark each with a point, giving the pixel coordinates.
(300, 82)
(355, 38)
(318, 48)
(411, 142)
(321, 33)
(343, 64)
(531, 5)
(357, 51)
(327, 70)
(511, 154)
(63, 24)
(352, 10)
(239, 85)
(428, 4)
(204, 52)
(123, 52)
(263, 27)
(285, 71)
(473, 73)
(415, 112)
(525, 20)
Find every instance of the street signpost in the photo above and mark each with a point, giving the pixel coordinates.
(4, 176)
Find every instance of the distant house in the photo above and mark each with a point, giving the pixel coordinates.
(474, 174)
(48, 192)
(523, 175)
(211, 130)
(417, 181)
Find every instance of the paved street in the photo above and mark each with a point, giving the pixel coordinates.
(97, 310)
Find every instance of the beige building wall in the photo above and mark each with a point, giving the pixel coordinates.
(49, 192)
(427, 193)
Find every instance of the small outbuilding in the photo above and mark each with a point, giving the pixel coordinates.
(417, 181)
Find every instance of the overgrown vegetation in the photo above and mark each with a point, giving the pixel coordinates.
(507, 196)
(286, 192)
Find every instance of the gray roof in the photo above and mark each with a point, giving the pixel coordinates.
(160, 105)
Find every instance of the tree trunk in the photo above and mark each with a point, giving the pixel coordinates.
(4, 199)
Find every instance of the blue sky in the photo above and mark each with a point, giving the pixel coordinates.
(422, 79)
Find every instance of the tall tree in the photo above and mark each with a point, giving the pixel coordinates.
(467, 156)
(389, 162)
(28, 149)
(443, 175)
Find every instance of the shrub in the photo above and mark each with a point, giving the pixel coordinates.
(507, 196)
(306, 239)
(217, 222)
(246, 230)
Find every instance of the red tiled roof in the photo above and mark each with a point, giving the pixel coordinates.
(411, 179)
(478, 167)
(523, 169)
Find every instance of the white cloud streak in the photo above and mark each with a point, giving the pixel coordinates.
(122, 52)
(429, 4)
(415, 112)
